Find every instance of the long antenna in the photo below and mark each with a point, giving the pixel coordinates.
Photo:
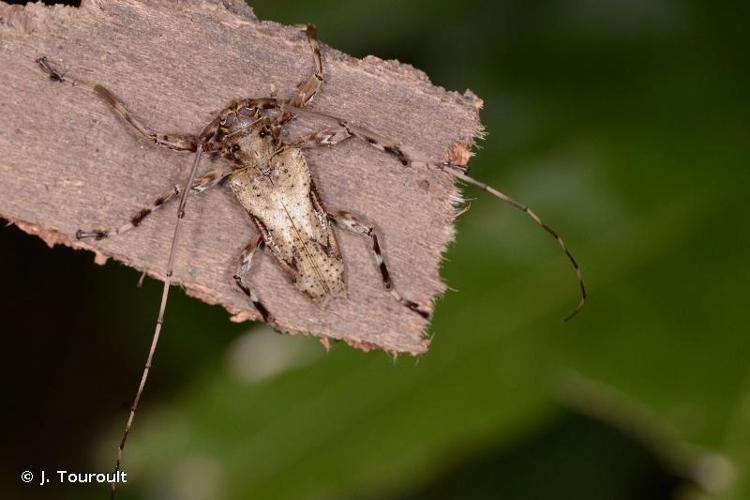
(162, 308)
(383, 144)
(456, 172)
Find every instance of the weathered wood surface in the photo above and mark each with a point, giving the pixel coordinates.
(67, 162)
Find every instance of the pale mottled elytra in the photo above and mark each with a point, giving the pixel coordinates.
(271, 179)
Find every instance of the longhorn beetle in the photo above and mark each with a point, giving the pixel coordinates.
(272, 181)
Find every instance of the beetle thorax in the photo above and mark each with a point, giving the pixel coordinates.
(248, 138)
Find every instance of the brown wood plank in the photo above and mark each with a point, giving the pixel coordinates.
(67, 161)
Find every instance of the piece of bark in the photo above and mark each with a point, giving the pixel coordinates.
(68, 162)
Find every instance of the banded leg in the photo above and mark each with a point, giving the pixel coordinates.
(246, 262)
(347, 221)
(310, 88)
(177, 142)
(200, 184)
(343, 130)
(325, 137)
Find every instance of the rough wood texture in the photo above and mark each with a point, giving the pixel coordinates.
(67, 162)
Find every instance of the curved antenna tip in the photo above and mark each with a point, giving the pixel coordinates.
(581, 303)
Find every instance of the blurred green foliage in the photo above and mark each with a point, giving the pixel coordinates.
(625, 124)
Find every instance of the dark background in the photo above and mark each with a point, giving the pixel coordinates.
(624, 123)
